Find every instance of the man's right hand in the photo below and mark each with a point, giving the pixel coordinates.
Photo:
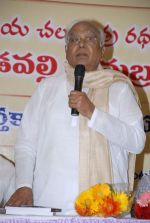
(22, 196)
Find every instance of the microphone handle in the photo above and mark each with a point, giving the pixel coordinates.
(78, 87)
(74, 112)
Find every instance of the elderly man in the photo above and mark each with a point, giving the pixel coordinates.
(55, 160)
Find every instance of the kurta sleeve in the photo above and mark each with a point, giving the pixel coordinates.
(123, 124)
(25, 149)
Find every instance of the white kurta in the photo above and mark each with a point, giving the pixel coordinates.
(47, 150)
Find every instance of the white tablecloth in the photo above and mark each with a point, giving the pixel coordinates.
(65, 219)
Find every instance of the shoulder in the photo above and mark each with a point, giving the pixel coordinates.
(121, 92)
(55, 79)
(49, 84)
(119, 84)
(120, 87)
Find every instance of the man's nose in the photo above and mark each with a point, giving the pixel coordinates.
(82, 42)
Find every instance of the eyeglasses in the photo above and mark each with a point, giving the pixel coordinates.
(75, 40)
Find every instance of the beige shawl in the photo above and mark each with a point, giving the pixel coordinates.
(94, 160)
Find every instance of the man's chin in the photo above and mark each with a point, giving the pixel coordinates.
(83, 62)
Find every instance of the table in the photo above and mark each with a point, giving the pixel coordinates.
(65, 219)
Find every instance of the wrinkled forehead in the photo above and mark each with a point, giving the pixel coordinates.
(83, 27)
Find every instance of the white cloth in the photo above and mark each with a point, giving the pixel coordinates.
(47, 146)
(7, 180)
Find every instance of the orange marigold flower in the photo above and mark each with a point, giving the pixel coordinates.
(82, 210)
(110, 207)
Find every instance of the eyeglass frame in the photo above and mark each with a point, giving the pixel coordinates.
(76, 40)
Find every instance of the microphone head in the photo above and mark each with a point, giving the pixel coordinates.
(79, 70)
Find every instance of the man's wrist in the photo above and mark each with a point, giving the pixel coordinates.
(91, 112)
(24, 186)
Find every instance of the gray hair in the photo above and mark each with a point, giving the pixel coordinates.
(95, 24)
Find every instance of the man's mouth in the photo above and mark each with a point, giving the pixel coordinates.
(82, 55)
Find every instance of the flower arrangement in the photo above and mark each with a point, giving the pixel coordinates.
(102, 200)
(142, 206)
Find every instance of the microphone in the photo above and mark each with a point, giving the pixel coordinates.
(79, 75)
